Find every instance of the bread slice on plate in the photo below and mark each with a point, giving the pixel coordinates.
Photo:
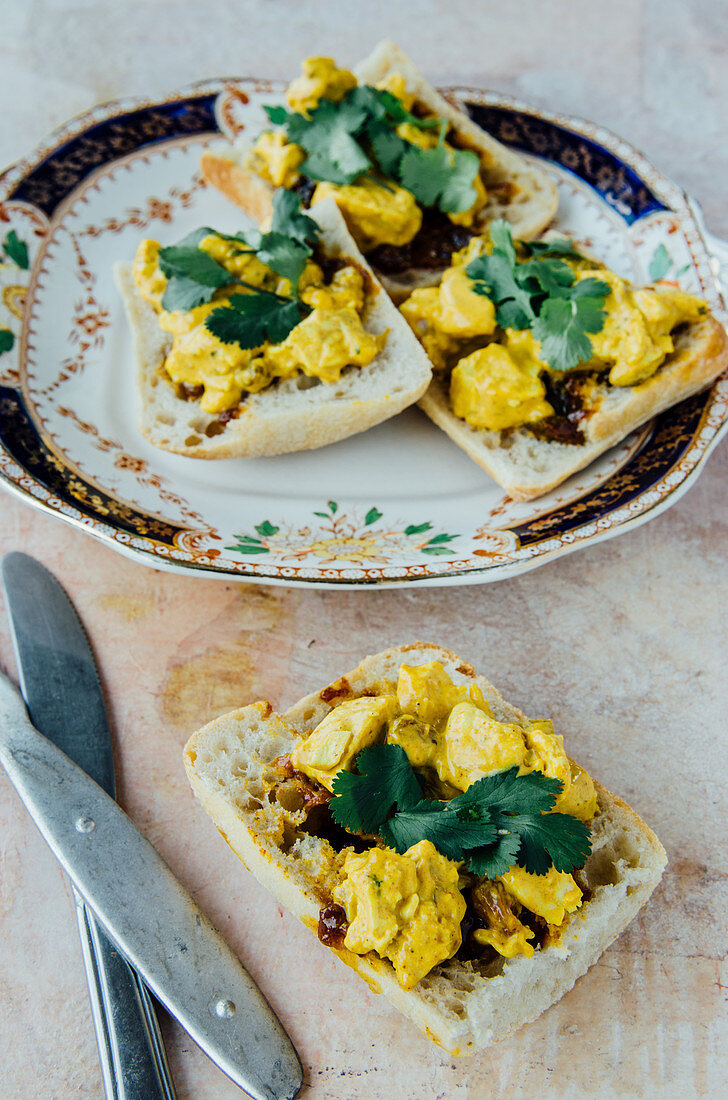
(527, 467)
(234, 766)
(516, 190)
(292, 414)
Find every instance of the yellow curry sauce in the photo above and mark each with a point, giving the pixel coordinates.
(409, 908)
(329, 339)
(498, 379)
(378, 210)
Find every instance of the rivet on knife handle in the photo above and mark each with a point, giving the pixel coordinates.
(147, 912)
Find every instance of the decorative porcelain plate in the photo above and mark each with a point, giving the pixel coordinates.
(400, 504)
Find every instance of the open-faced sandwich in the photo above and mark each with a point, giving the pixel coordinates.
(544, 359)
(414, 177)
(442, 844)
(266, 342)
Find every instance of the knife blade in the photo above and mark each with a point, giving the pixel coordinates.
(57, 669)
(146, 912)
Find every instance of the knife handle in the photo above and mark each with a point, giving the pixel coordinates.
(133, 1059)
(146, 911)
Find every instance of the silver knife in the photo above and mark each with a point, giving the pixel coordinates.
(145, 910)
(57, 670)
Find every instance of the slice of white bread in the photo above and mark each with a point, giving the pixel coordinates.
(516, 190)
(527, 467)
(231, 766)
(294, 414)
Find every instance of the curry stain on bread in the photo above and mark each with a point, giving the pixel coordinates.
(243, 768)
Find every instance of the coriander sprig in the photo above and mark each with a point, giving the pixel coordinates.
(543, 294)
(357, 134)
(501, 820)
(193, 276)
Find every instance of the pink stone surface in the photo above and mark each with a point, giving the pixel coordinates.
(623, 644)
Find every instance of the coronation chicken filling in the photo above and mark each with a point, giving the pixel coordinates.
(329, 339)
(409, 908)
(497, 376)
(378, 210)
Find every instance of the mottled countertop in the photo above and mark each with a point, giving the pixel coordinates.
(622, 644)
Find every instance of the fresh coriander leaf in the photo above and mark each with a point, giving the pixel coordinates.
(288, 218)
(557, 247)
(340, 162)
(499, 821)
(509, 792)
(288, 245)
(562, 327)
(541, 294)
(424, 172)
(380, 104)
(590, 288)
(250, 319)
(458, 193)
(327, 135)
(494, 277)
(502, 239)
(386, 779)
(252, 238)
(660, 264)
(186, 262)
(7, 340)
(285, 256)
(550, 838)
(16, 250)
(185, 294)
(193, 238)
(495, 859)
(365, 104)
(438, 823)
(518, 807)
(193, 276)
(553, 277)
(388, 149)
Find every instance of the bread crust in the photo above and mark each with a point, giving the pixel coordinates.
(522, 194)
(230, 766)
(527, 467)
(252, 193)
(284, 417)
